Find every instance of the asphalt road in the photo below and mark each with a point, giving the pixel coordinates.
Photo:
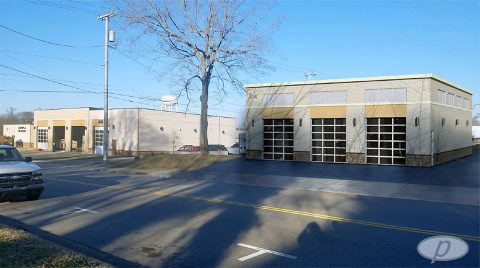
(185, 221)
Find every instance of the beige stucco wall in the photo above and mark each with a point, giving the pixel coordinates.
(417, 105)
(450, 136)
(67, 117)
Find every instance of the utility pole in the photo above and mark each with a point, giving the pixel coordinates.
(310, 74)
(106, 17)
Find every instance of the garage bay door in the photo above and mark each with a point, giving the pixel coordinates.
(278, 139)
(386, 141)
(329, 140)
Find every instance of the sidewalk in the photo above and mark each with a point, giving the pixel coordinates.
(432, 193)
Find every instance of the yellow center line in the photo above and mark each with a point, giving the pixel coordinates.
(276, 209)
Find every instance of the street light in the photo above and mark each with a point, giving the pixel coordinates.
(109, 37)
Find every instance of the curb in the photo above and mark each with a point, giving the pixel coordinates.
(70, 244)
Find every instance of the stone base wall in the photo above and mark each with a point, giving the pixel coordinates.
(123, 153)
(303, 156)
(24, 145)
(451, 155)
(254, 154)
(414, 160)
(355, 158)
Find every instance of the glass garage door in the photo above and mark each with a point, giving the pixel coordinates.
(386, 141)
(98, 140)
(278, 139)
(329, 140)
(42, 138)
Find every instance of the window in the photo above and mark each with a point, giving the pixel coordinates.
(328, 97)
(450, 99)
(466, 104)
(441, 96)
(459, 101)
(98, 137)
(42, 135)
(386, 95)
(278, 99)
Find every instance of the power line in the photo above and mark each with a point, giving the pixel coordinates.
(42, 91)
(87, 4)
(70, 81)
(48, 57)
(63, 6)
(83, 89)
(59, 83)
(45, 41)
(135, 60)
(296, 68)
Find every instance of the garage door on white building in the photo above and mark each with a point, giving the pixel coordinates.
(42, 138)
(329, 140)
(278, 139)
(386, 140)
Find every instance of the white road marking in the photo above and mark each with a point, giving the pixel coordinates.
(261, 251)
(80, 210)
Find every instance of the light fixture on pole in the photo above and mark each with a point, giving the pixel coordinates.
(109, 37)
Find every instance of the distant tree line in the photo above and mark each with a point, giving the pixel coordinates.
(11, 116)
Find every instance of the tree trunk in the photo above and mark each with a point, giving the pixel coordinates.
(204, 116)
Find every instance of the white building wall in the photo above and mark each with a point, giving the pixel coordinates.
(158, 129)
(147, 130)
(22, 132)
(123, 126)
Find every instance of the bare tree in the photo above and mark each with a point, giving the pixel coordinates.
(12, 117)
(174, 137)
(208, 43)
(11, 114)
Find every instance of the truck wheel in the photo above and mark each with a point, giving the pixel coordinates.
(34, 195)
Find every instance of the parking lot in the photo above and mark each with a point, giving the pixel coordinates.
(256, 213)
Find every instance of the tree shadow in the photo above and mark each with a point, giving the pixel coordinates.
(183, 220)
(466, 171)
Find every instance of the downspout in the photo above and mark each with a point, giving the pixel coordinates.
(432, 148)
(138, 131)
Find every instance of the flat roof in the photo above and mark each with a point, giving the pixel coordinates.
(71, 108)
(150, 109)
(359, 79)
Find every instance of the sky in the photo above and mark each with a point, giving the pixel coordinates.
(336, 39)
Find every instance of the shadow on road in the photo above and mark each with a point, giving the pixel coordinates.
(174, 221)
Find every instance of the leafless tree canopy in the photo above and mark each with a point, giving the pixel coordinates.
(208, 43)
(11, 116)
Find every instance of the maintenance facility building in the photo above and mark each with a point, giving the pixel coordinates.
(413, 120)
(132, 131)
